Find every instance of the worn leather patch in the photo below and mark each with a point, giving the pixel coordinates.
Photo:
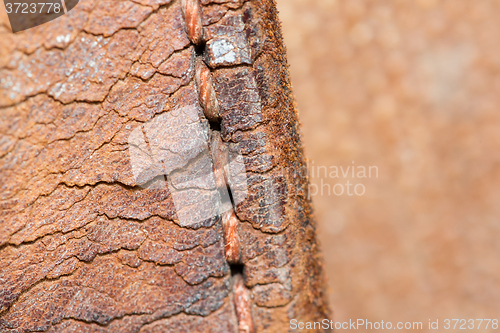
(117, 212)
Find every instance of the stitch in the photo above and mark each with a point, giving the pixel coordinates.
(208, 99)
(229, 219)
(232, 246)
(220, 160)
(192, 16)
(242, 306)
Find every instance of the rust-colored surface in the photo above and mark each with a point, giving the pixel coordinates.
(91, 237)
(411, 87)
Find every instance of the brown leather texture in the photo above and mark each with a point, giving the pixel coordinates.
(92, 235)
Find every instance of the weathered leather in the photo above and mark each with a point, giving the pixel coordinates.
(88, 243)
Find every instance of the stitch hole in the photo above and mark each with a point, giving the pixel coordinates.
(200, 48)
(236, 269)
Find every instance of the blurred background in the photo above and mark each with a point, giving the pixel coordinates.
(413, 88)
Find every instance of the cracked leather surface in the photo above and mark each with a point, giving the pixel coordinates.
(84, 247)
